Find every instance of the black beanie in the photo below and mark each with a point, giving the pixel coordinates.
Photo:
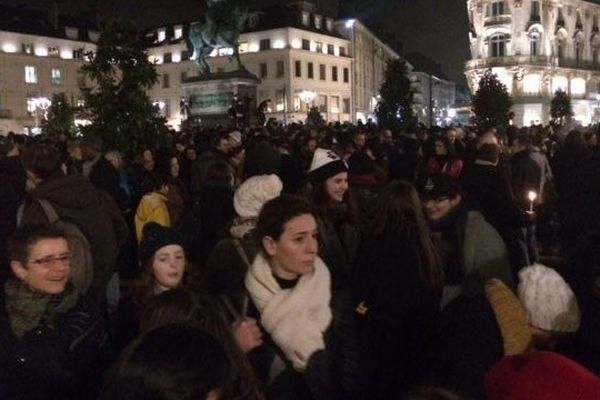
(154, 237)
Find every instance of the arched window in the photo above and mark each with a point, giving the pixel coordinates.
(534, 43)
(497, 45)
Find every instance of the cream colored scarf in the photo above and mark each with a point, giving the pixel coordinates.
(295, 318)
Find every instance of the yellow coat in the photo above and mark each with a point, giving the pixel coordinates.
(152, 208)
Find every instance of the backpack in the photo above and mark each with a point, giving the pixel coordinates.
(82, 266)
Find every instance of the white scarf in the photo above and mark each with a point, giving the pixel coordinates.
(295, 318)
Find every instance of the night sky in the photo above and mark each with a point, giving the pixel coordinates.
(436, 28)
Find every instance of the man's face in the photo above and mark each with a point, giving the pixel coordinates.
(451, 135)
(438, 208)
(360, 140)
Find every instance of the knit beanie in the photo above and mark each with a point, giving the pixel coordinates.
(254, 192)
(154, 237)
(548, 300)
(542, 375)
(325, 164)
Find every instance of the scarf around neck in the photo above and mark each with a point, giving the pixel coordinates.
(296, 318)
(28, 309)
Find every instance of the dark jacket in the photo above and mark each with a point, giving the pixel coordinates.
(397, 332)
(60, 362)
(525, 176)
(105, 177)
(12, 191)
(339, 241)
(93, 211)
(331, 374)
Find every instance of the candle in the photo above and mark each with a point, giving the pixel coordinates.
(532, 196)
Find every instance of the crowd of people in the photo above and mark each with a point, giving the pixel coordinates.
(294, 262)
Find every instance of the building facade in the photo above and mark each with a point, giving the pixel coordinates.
(40, 55)
(537, 47)
(370, 56)
(300, 58)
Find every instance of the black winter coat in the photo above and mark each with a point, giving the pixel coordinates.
(525, 176)
(61, 362)
(397, 332)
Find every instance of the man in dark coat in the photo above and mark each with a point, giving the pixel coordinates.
(489, 192)
(525, 177)
(77, 201)
(101, 173)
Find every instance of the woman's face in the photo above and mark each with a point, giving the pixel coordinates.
(174, 167)
(336, 187)
(168, 266)
(440, 149)
(48, 266)
(295, 252)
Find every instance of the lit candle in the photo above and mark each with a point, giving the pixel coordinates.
(532, 196)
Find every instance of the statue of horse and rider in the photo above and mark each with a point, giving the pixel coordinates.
(224, 20)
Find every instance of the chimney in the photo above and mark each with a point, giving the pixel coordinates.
(53, 15)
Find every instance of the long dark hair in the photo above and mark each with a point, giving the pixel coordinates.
(200, 309)
(170, 362)
(399, 210)
(322, 204)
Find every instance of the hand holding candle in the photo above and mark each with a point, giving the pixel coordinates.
(532, 196)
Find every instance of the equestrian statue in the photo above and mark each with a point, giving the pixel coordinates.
(223, 22)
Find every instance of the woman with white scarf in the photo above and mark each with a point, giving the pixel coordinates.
(310, 349)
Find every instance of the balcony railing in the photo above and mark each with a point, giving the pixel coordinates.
(540, 61)
(5, 114)
(497, 20)
(508, 61)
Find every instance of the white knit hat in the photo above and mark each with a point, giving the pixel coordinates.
(236, 136)
(325, 164)
(548, 299)
(254, 192)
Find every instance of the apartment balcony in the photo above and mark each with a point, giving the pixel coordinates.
(509, 61)
(538, 61)
(5, 114)
(497, 20)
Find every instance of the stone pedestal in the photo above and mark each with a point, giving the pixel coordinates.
(210, 96)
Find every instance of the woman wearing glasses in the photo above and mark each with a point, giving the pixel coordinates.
(52, 339)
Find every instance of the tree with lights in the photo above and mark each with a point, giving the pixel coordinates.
(560, 107)
(491, 103)
(116, 80)
(60, 117)
(394, 109)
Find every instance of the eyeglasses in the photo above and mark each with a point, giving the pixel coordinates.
(47, 262)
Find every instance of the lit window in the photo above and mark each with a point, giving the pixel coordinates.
(559, 83)
(178, 32)
(31, 104)
(176, 57)
(56, 76)
(305, 18)
(161, 35)
(243, 47)
(318, 21)
(577, 86)
(532, 83)
(30, 74)
(329, 24)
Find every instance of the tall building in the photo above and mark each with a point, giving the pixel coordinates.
(299, 56)
(536, 48)
(370, 56)
(40, 55)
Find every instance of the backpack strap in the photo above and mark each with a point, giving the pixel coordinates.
(48, 210)
(240, 249)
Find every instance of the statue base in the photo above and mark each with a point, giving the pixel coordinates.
(211, 97)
